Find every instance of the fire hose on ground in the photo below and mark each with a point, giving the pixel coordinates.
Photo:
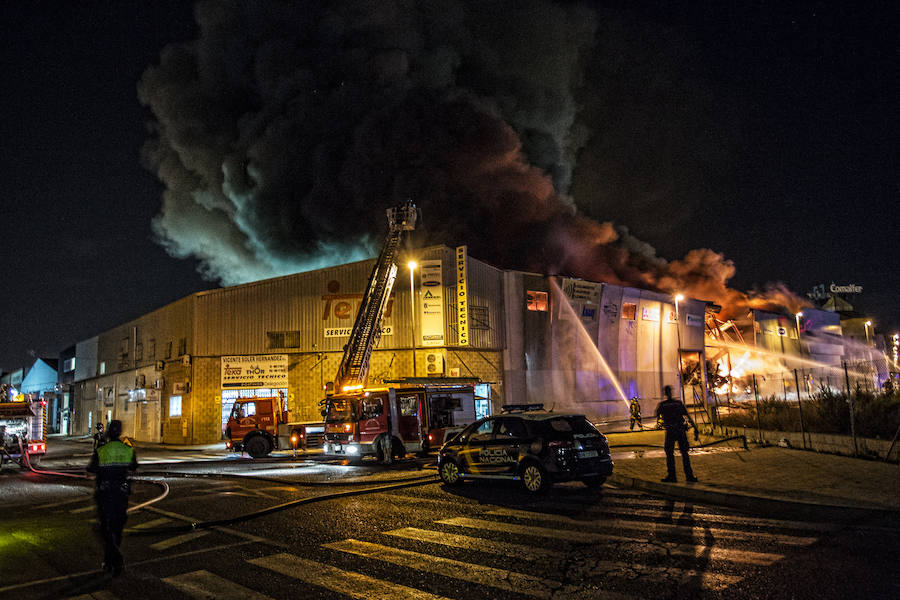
(26, 460)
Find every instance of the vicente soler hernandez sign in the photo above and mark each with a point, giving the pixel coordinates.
(267, 370)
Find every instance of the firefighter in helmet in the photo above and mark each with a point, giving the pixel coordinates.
(635, 414)
(112, 463)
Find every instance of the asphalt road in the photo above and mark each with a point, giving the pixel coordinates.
(483, 540)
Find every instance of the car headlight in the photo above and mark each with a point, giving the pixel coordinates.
(352, 449)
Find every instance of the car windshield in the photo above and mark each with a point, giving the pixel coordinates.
(576, 424)
(340, 410)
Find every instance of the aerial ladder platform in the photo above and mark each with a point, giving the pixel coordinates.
(353, 372)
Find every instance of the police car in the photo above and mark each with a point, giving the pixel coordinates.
(528, 444)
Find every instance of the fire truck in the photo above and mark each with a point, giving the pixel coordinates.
(388, 422)
(260, 425)
(23, 433)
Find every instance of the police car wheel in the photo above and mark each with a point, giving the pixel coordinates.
(450, 473)
(534, 478)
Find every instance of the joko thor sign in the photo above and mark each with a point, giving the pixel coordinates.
(268, 370)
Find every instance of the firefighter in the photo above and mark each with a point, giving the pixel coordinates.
(635, 415)
(675, 419)
(112, 463)
(100, 436)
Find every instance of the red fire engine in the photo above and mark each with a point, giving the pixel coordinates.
(388, 422)
(23, 431)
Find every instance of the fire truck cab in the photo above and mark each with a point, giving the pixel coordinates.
(260, 425)
(390, 422)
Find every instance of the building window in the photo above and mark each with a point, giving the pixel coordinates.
(284, 339)
(182, 346)
(139, 352)
(169, 349)
(103, 367)
(151, 350)
(479, 317)
(69, 365)
(174, 406)
(537, 301)
(629, 310)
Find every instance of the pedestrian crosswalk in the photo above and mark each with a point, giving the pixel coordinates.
(606, 551)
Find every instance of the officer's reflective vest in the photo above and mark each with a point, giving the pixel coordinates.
(115, 454)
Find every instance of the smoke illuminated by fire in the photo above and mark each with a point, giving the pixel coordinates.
(285, 130)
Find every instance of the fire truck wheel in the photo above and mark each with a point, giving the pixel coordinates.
(257, 447)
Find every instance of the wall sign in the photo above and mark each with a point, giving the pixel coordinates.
(431, 303)
(462, 302)
(268, 370)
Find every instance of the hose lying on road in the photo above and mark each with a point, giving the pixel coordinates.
(279, 507)
(165, 486)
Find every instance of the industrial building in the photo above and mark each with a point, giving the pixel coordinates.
(172, 375)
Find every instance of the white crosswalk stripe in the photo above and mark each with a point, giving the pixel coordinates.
(178, 540)
(473, 573)
(453, 540)
(205, 585)
(587, 537)
(651, 508)
(98, 595)
(348, 583)
(668, 528)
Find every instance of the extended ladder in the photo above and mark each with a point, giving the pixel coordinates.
(354, 368)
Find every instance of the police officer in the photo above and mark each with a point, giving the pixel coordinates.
(673, 414)
(635, 414)
(112, 463)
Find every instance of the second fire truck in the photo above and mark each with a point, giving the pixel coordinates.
(409, 416)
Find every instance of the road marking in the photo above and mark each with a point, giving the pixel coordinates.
(62, 503)
(98, 595)
(587, 537)
(509, 581)
(695, 530)
(337, 580)
(81, 510)
(178, 539)
(151, 523)
(204, 585)
(684, 513)
(520, 551)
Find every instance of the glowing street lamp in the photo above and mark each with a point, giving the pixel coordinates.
(868, 324)
(797, 318)
(412, 308)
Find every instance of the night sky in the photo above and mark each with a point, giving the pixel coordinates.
(766, 133)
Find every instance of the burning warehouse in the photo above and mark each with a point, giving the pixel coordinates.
(172, 375)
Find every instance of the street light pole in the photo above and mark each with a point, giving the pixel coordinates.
(679, 298)
(412, 310)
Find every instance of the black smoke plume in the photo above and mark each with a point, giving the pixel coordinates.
(284, 131)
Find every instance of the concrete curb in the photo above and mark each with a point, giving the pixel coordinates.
(775, 507)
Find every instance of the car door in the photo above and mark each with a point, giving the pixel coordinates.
(502, 451)
(471, 453)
